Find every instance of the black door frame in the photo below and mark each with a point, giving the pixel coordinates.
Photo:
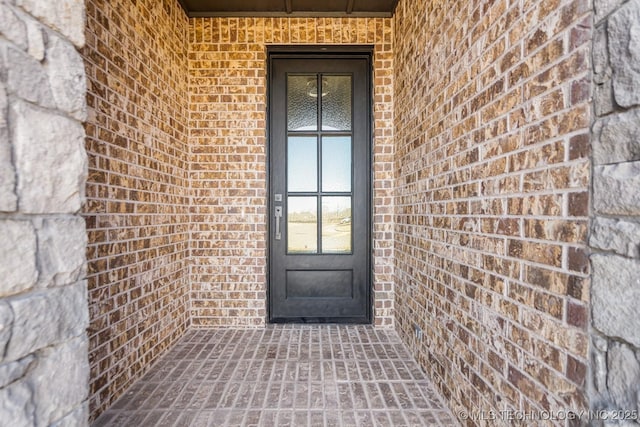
(324, 52)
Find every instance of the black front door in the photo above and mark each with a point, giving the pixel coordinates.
(319, 148)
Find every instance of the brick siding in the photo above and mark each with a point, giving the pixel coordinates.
(176, 138)
(492, 116)
(480, 199)
(138, 192)
(227, 66)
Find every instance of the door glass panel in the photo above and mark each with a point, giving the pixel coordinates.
(302, 163)
(302, 225)
(336, 224)
(336, 163)
(302, 102)
(336, 103)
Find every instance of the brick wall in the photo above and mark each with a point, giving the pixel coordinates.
(44, 367)
(136, 215)
(481, 163)
(227, 66)
(159, 208)
(492, 117)
(615, 228)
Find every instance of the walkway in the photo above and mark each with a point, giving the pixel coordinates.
(291, 375)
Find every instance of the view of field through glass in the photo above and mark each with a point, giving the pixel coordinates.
(302, 222)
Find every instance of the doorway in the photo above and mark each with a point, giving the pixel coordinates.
(320, 186)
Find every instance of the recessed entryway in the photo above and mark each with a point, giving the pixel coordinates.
(320, 168)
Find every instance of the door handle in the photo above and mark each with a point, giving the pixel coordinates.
(278, 215)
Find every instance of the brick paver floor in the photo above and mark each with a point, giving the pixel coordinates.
(283, 375)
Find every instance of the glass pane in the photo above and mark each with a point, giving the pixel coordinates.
(302, 163)
(302, 102)
(336, 224)
(302, 225)
(336, 103)
(336, 163)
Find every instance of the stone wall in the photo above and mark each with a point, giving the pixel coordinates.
(137, 210)
(615, 229)
(43, 167)
(492, 126)
(227, 66)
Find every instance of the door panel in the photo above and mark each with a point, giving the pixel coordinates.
(320, 168)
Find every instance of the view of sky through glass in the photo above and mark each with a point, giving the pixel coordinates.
(302, 163)
(336, 163)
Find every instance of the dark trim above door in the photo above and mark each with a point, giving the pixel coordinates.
(289, 8)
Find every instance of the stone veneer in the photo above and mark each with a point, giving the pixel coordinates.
(227, 67)
(44, 368)
(615, 229)
(492, 126)
(138, 192)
